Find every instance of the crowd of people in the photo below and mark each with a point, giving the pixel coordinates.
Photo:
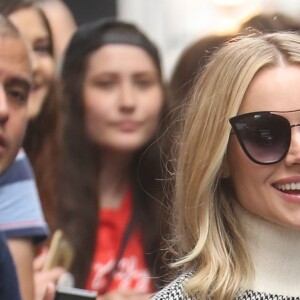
(170, 189)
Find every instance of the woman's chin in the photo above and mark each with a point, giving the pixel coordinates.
(35, 104)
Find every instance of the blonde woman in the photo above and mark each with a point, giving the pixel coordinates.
(237, 204)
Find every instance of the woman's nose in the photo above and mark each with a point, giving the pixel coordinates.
(127, 97)
(35, 64)
(293, 155)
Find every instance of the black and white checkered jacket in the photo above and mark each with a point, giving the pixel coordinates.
(175, 291)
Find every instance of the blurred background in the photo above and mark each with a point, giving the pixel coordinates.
(173, 24)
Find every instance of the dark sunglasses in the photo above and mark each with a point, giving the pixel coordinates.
(264, 136)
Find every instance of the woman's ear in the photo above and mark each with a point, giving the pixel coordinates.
(224, 171)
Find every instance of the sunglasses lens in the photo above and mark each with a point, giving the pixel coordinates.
(265, 137)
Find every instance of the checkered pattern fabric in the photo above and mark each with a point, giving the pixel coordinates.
(174, 291)
(251, 295)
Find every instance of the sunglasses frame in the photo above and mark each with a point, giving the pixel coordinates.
(233, 122)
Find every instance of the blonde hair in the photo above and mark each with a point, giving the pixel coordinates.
(206, 236)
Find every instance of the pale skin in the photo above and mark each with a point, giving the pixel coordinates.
(120, 113)
(42, 278)
(258, 186)
(22, 253)
(15, 80)
(50, 292)
(123, 100)
(62, 24)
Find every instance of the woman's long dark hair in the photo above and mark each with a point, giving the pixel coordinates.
(79, 206)
(41, 139)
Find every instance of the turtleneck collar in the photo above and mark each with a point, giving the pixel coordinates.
(275, 251)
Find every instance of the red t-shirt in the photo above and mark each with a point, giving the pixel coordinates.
(132, 272)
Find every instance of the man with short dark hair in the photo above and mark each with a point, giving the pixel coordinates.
(15, 81)
(15, 84)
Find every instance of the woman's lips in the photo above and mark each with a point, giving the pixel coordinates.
(128, 126)
(289, 190)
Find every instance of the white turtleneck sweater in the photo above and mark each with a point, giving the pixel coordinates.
(275, 251)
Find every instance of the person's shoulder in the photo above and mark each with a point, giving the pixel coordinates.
(19, 171)
(175, 290)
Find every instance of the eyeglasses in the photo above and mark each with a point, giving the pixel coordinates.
(264, 136)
